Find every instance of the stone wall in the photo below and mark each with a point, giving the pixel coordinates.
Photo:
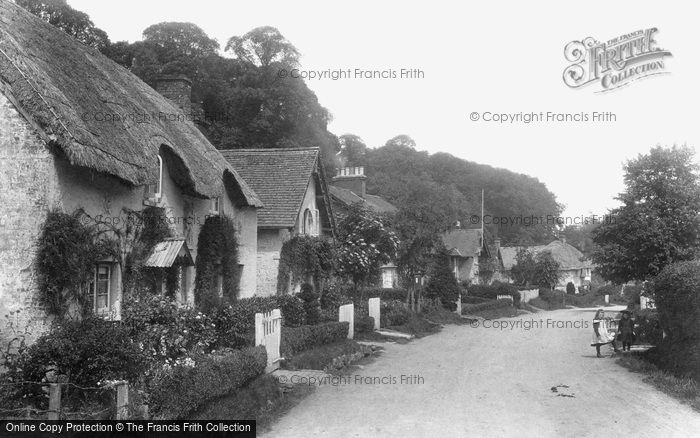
(269, 247)
(27, 191)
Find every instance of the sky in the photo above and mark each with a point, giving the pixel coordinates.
(471, 57)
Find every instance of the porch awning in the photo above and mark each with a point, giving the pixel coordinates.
(169, 252)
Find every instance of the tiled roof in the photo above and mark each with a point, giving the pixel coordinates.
(348, 197)
(566, 255)
(279, 177)
(463, 243)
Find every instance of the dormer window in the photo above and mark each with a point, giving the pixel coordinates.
(215, 206)
(154, 191)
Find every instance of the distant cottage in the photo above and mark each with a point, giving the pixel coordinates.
(78, 131)
(292, 185)
(467, 250)
(573, 267)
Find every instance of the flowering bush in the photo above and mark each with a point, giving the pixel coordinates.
(365, 244)
(167, 330)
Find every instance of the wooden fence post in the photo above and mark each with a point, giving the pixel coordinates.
(375, 311)
(54, 401)
(122, 400)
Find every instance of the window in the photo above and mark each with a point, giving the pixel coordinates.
(100, 289)
(308, 222)
(215, 205)
(155, 190)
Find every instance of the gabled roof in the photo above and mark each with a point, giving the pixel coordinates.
(348, 197)
(463, 242)
(566, 255)
(280, 177)
(99, 115)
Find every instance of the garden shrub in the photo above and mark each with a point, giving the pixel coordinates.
(334, 296)
(179, 391)
(235, 323)
(86, 352)
(570, 288)
(312, 306)
(394, 313)
(302, 257)
(384, 294)
(296, 339)
(608, 289)
(363, 324)
(492, 291)
(166, 329)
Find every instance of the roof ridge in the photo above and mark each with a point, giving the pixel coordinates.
(311, 148)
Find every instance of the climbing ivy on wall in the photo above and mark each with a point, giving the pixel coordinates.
(67, 249)
(302, 257)
(217, 254)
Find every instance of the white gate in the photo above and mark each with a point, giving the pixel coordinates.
(375, 311)
(268, 332)
(347, 313)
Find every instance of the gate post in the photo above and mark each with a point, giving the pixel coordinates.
(268, 332)
(375, 311)
(347, 313)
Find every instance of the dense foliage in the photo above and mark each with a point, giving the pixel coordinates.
(365, 244)
(312, 305)
(235, 323)
(305, 258)
(676, 292)
(659, 220)
(66, 252)
(535, 269)
(86, 352)
(167, 330)
(180, 390)
(217, 254)
(296, 339)
(442, 284)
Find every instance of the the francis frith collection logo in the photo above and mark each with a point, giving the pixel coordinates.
(614, 63)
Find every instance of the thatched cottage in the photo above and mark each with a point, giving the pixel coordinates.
(78, 131)
(292, 185)
(573, 266)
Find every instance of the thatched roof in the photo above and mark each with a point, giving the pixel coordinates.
(566, 255)
(99, 115)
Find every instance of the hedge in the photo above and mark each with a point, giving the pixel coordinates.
(494, 304)
(493, 290)
(235, 324)
(177, 393)
(296, 339)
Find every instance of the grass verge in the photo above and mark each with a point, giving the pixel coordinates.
(320, 357)
(685, 389)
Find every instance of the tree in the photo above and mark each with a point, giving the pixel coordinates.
(73, 22)
(659, 220)
(535, 269)
(264, 46)
(443, 284)
(353, 150)
(402, 140)
(365, 245)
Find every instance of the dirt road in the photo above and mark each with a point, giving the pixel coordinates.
(485, 381)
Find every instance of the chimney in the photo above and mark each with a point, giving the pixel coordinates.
(353, 179)
(177, 88)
